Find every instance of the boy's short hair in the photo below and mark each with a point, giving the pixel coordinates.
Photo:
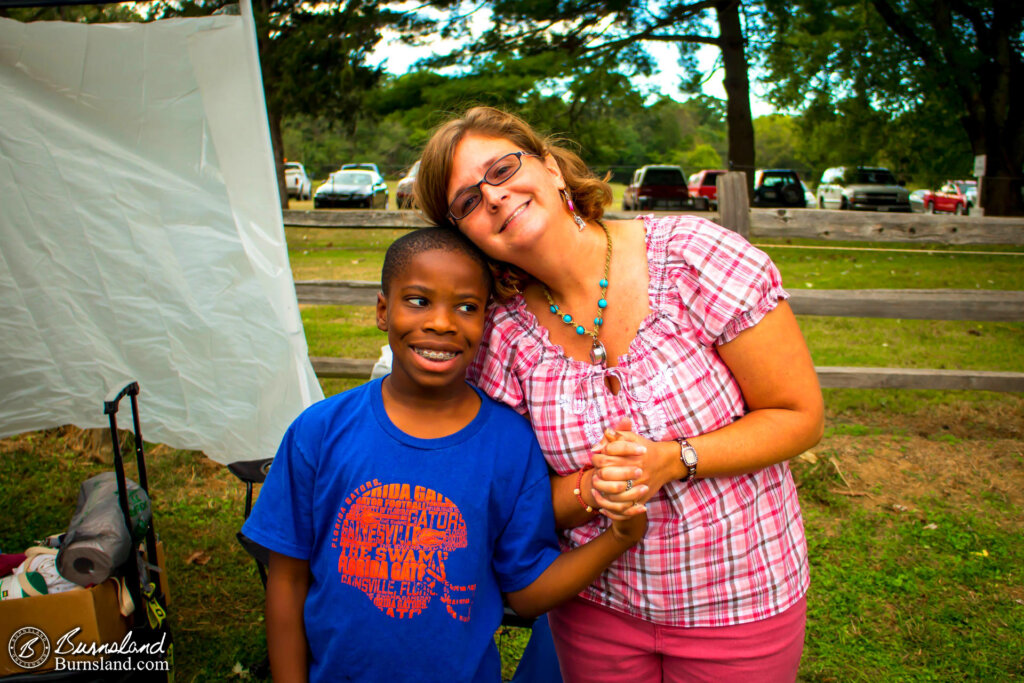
(405, 247)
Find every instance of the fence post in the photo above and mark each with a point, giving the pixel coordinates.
(733, 202)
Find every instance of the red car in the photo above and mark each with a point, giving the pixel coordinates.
(950, 198)
(704, 190)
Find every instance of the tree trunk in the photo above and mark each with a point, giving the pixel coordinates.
(737, 90)
(1003, 184)
(277, 141)
(269, 73)
(995, 125)
(1003, 124)
(993, 116)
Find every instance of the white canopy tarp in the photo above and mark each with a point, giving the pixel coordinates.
(141, 236)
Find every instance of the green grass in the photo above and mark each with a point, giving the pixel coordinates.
(932, 592)
(938, 344)
(926, 590)
(841, 266)
(358, 255)
(328, 254)
(342, 331)
(318, 253)
(923, 597)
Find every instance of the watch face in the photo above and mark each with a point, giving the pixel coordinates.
(689, 456)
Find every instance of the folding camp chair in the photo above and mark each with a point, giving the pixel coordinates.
(252, 472)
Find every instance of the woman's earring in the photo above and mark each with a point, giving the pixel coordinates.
(572, 209)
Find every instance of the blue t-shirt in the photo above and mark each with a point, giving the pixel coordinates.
(410, 541)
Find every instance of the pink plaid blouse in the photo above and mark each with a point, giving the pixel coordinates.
(719, 551)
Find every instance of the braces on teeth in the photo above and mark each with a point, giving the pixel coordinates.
(436, 355)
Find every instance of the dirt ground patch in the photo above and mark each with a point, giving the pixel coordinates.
(957, 454)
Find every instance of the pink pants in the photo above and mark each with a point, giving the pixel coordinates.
(596, 644)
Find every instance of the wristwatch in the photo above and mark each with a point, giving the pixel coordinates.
(688, 456)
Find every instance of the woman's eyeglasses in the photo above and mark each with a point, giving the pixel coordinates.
(498, 172)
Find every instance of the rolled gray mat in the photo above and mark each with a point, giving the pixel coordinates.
(97, 542)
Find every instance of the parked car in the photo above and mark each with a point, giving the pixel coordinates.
(403, 191)
(917, 201)
(778, 187)
(352, 188)
(656, 187)
(808, 195)
(296, 182)
(862, 187)
(947, 199)
(703, 188)
(366, 166)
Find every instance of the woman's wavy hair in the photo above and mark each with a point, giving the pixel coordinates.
(590, 194)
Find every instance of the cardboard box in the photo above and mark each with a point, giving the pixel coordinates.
(94, 610)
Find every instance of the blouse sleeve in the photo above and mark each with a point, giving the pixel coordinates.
(493, 369)
(726, 284)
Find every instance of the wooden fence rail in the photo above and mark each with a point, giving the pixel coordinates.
(909, 304)
(920, 304)
(795, 223)
(828, 376)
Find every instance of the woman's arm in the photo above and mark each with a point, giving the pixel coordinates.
(287, 586)
(773, 368)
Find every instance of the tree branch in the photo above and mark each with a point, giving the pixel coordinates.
(659, 38)
(973, 15)
(904, 31)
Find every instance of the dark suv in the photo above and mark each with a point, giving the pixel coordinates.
(657, 187)
(778, 187)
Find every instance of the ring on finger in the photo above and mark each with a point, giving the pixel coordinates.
(629, 484)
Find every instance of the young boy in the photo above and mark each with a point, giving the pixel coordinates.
(399, 512)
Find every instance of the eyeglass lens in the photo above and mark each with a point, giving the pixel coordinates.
(499, 172)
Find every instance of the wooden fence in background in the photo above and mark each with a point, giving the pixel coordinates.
(920, 304)
(813, 224)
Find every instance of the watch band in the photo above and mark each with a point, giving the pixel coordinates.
(688, 456)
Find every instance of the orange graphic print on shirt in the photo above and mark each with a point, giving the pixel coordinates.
(394, 540)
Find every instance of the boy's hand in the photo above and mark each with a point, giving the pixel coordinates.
(629, 529)
(619, 484)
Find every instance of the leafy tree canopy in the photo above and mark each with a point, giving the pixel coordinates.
(931, 82)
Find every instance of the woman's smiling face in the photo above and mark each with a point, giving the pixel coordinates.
(511, 216)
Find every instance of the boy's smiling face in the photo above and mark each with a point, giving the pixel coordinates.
(434, 316)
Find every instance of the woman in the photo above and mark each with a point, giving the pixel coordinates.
(672, 333)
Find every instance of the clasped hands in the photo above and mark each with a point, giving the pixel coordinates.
(626, 472)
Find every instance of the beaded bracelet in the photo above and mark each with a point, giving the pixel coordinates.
(579, 488)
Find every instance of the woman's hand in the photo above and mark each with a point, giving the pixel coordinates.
(630, 469)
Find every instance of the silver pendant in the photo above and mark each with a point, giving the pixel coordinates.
(597, 353)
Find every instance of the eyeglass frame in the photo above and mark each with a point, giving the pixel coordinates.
(519, 157)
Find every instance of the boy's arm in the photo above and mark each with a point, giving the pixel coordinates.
(573, 571)
(287, 585)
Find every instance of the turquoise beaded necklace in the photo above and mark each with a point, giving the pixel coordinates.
(598, 354)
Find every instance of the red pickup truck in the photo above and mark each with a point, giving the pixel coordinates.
(703, 187)
(950, 198)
